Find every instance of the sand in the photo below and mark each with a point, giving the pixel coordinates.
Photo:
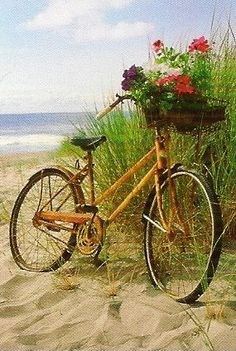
(36, 315)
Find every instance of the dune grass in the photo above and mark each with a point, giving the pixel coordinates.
(212, 153)
(128, 140)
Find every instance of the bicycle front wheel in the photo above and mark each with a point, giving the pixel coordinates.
(44, 247)
(183, 237)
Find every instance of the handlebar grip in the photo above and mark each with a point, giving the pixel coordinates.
(111, 106)
(104, 112)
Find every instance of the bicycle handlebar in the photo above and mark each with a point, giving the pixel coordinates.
(112, 106)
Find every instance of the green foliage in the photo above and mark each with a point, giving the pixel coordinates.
(201, 74)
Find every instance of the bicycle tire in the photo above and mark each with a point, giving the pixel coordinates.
(42, 248)
(180, 261)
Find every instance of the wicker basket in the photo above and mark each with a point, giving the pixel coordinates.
(184, 121)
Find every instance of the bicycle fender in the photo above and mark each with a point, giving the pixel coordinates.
(66, 171)
(63, 169)
(152, 193)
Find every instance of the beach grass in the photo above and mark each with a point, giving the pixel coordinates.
(212, 153)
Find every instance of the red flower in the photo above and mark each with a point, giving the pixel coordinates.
(157, 46)
(183, 85)
(200, 44)
(166, 80)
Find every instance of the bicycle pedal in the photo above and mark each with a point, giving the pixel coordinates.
(88, 208)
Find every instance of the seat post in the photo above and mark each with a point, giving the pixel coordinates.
(91, 177)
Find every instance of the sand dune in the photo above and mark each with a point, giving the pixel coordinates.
(35, 315)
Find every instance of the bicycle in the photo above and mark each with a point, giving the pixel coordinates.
(182, 218)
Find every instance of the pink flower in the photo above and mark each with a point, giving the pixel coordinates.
(200, 44)
(157, 46)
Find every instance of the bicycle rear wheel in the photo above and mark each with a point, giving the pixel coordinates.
(44, 247)
(182, 251)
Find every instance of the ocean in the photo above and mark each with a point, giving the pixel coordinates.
(20, 133)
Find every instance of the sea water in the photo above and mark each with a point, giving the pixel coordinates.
(37, 131)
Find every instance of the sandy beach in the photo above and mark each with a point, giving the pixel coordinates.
(41, 311)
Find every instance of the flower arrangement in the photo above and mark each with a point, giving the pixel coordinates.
(180, 81)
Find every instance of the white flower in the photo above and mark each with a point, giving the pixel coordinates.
(155, 67)
(174, 71)
(162, 68)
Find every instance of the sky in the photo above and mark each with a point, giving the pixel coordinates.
(69, 55)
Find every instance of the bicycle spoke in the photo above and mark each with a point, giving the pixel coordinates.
(43, 246)
(156, 224)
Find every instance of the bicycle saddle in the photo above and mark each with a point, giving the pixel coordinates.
(88, 144)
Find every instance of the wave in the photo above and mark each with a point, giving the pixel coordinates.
(38, 131)
(33, 139)
(30, 142)
(61, 129)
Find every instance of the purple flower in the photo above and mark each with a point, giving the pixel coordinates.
(131, 75)
(126, 84)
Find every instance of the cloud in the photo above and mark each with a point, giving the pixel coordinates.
(103, 31)
(84, 20)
